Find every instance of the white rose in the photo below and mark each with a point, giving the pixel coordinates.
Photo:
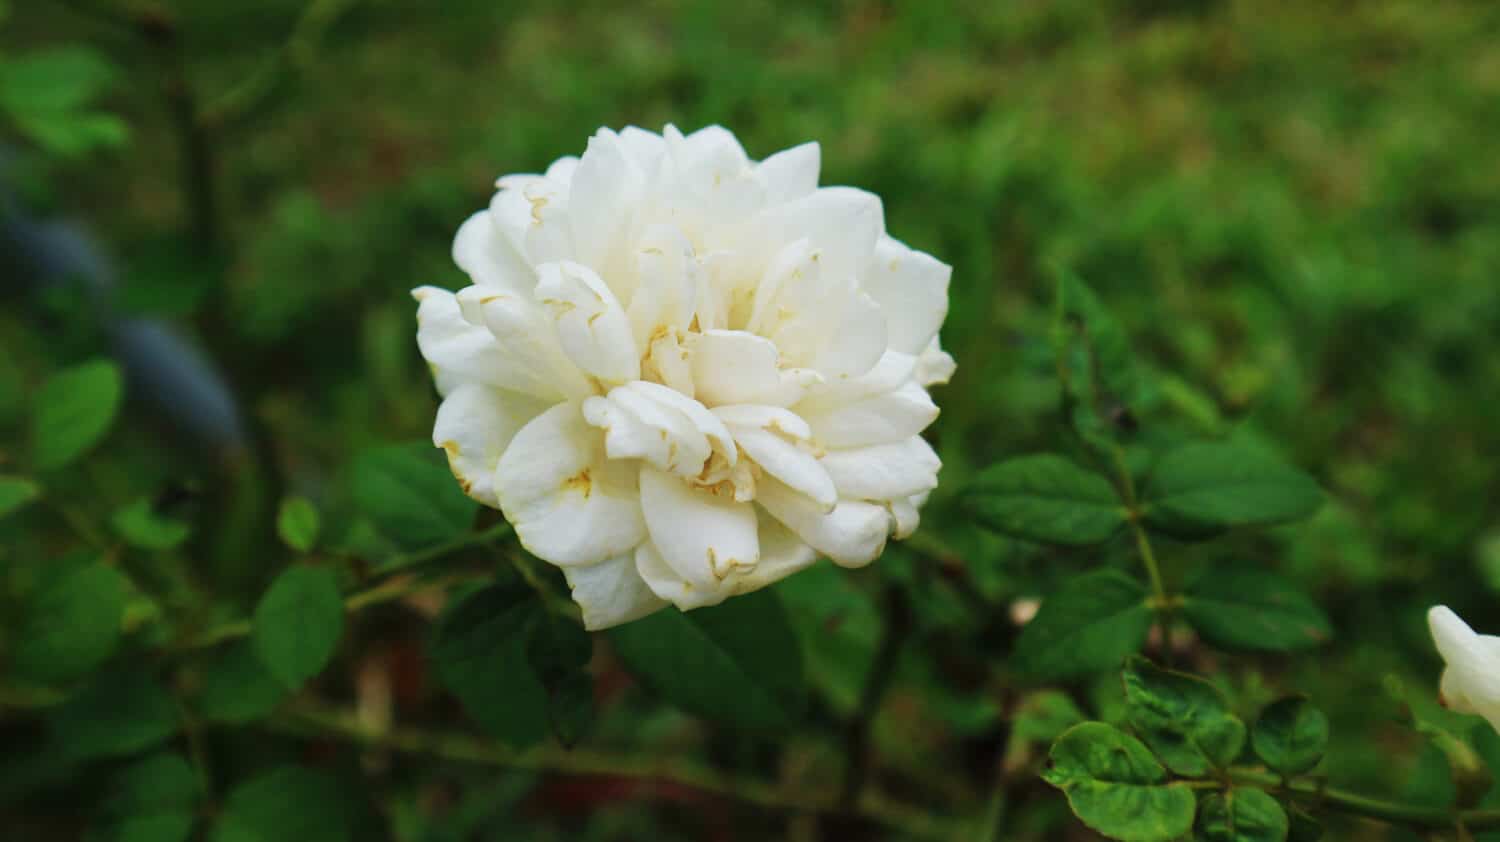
(1471, 681)
(682, 374)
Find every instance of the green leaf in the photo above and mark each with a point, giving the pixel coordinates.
(1254, 609)
(1045, 497)
(72, 412)
(558, 650)
(72, 624)
(1208, 486)
(1291, 735)
(1116, 787)
(570, 707)
(1242, 815)
(287, 803)
(1184, 719)
(16, 492)
(411, 495)
(122, 711)
(738, 663)
(238, 688)
(140, 526)
(152, 800)
(46, 94)
(557, 647)
(297, 523)
(298, 623)
(1091, 624)
(1044, 716)
(479, 653)
(1102, 385)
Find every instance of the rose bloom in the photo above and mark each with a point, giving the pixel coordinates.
(1471, 681)
(683, 374)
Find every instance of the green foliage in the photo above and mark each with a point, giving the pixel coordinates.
(287, 802)
(1045, 497)
(1216, 486)
(479, 651)
(16, 492)
(72, 625)
(141, 526)
(237, 687)
(410, 494)
(1090, 624)
(121, 711)
(151, 800)
(47, 95)
(72, 411)
(1184, 719)
(737, 663)
(1116, 787)
(1242, 608)
(297, 523)
(1291, 735)
(1241, 815)
(558, 651)
(297, 624)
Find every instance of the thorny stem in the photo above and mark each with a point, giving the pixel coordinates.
(315, 721)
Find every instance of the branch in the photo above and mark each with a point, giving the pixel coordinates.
(316, 721)
(389, 590)
(897, 627)
(1344, 801)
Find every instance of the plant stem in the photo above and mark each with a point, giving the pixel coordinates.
(897, 627)
(403, 561)
(1142, 540)
(315, 721)
(1410, 815)
(389, 591)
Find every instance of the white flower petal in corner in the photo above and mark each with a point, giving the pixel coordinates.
(683, 375)
(1471, 681)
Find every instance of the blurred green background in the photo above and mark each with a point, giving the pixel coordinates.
(1293, 208)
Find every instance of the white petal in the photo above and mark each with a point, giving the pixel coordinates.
(645, 149)
(853, 534)
(843, 222)
(775, 439)
(561, 170)
(1471, 683)
(533, 360)
(651, 422)
(611, 592)
(482, 251)
(668, 585)
(567, 503)
(893, 416)
(591, 326)
(912, 290)
(669, 275)
(905, 518)
(791, 173)
(893, 369)
(700, 535)
(475, 424)
(601, 194)
(734, 366)
(884, 471)
(668, 362)
(459, 350)
(782, 553)
(934, 366)
(857, 343)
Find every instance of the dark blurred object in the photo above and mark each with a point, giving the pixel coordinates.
(163, 367)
